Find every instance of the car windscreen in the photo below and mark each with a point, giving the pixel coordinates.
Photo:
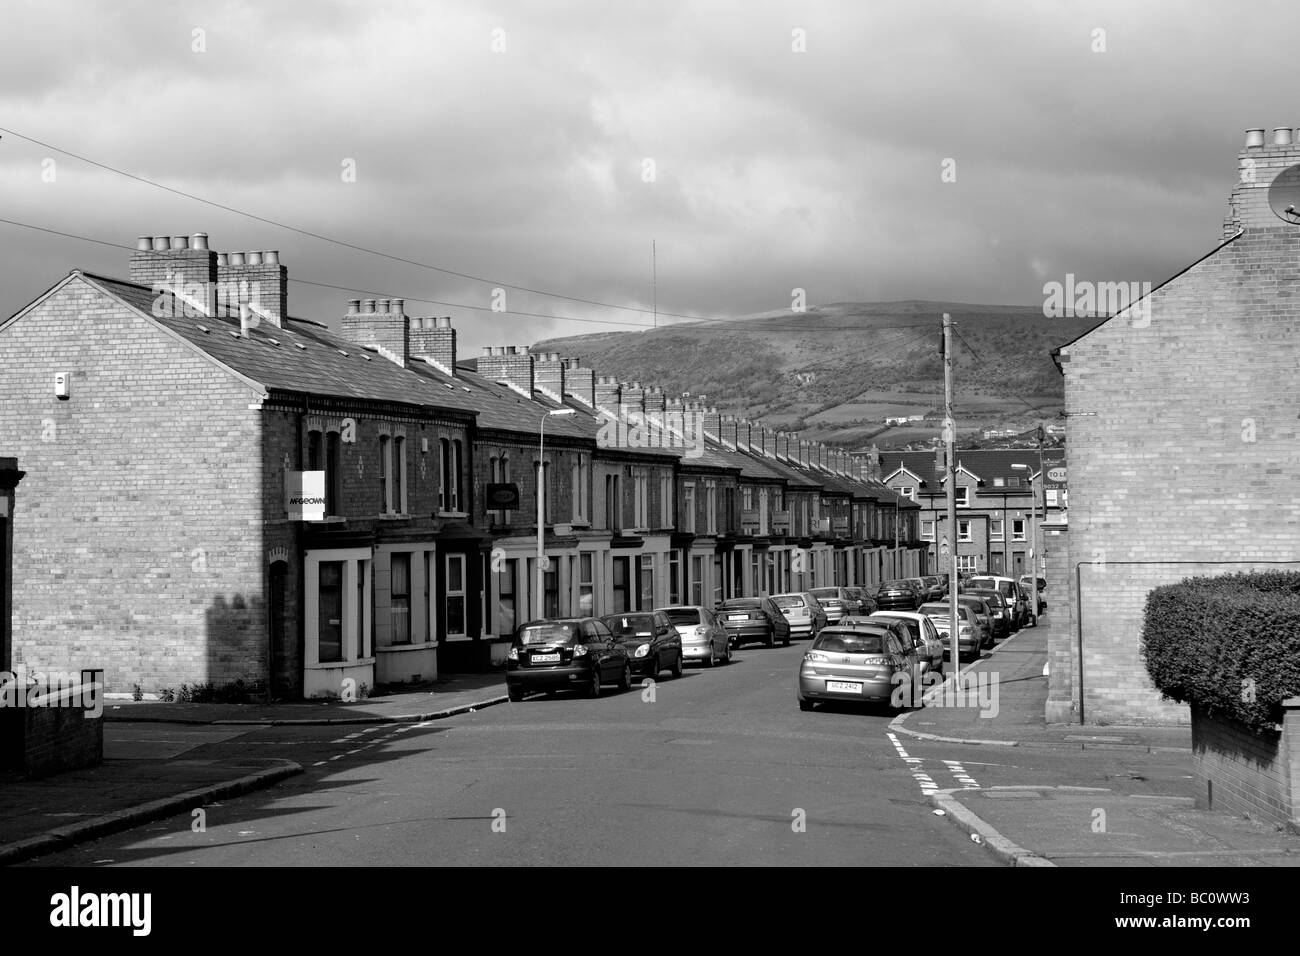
(850, 643)
(548, 633)
(788, 600)
(993, 597)
(741, 604)
(683, 615)
(895, 586)
(988, 583)
(630, 625)
(825, 592)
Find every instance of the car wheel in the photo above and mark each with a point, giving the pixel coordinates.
(593, 688)
(677, 665)
(770, 639)
(726, 655)
(516, 694)
(655, 668)
(625, 678)
(708, 661)
(785, 641)
(805, 705)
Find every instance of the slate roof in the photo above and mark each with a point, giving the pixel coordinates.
(987, 463)
(303, 356)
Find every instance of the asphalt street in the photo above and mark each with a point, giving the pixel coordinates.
(715, 768)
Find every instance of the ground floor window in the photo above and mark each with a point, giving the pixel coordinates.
(586, 584)
(674, 578)
(329, 640)
(399, 608)
(621, 585)
(647, 583)
(507, 588)
(967, 562)
(454, 601)
(697, 579)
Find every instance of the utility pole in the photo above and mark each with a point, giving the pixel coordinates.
(949, 436)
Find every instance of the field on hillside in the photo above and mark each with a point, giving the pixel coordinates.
(836, 372)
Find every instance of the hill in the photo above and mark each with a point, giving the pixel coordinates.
(836, 372)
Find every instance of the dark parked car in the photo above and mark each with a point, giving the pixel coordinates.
(573, 652)
(864, 662)
(899, 596)
(837, 602)
(866, 603)
(983, 614)
(1002, 612)
(754, 619)
(650, 638)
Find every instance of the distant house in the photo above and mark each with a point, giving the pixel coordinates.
(1184, 440)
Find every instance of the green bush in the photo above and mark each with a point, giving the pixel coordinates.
(1228, 645)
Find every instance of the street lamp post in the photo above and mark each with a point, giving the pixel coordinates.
(539, 586)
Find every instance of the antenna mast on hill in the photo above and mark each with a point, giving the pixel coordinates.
(654, 282)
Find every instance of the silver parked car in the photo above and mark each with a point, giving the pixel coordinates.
(704, 638)
(922, 628)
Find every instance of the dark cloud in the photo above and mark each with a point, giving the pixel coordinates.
(774, 170)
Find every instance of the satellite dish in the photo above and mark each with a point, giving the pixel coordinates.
(1284, 195)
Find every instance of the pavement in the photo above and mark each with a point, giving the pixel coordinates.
(150, 776)
(1078, 795)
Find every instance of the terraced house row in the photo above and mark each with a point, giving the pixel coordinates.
(171, 426)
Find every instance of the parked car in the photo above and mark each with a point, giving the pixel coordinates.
(970, 636)
(703, 636)
(754, 619)
(862, 663)
(921, 628)
(866, 603)
(1002, 611)
(650, 639)
(901, 595)
(575, 652)
(1027, 582)
(1009, 590)
(837, 602)
(983, 614)
(802, 611)
(938, 585)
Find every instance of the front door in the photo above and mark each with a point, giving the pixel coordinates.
(1018, 563)
(622, 584)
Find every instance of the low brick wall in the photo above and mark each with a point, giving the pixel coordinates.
(39, 741)
(1246, 773)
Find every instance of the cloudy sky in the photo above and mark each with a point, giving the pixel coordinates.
(762, 146)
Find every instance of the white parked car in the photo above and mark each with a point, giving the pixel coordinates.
(931, 650)
(803, 611)
(704, 638)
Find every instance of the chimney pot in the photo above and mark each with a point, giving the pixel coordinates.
(254, 258)
(1282, 136)
(144, 244)
(428, 322)
(382, 306)
(160, 244)
(271, 258)
(367, 306)
(1254, 138)
(180, 242)
(354, 306)
(236, 259)
(444, 322)
(487, 350)
(415, 324)
(199, 241)
(223, 260)
(399, 306)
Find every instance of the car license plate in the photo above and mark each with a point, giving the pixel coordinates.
(545, 658)
(737, 617)
(844, 686)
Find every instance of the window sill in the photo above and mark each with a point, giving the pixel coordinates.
(452, 514)
(334, 665)
(395, 517)
(329, 519)
(404, 648)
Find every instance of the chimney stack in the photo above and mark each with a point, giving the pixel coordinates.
(255, 279)
(579, 382)
(548, 375)
(608, 395)
(434, 339)
(165, 263)
(511, 365)
(632, 400)
(377, 327)
(769, 442)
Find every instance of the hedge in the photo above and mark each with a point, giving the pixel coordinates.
(1228, 645)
